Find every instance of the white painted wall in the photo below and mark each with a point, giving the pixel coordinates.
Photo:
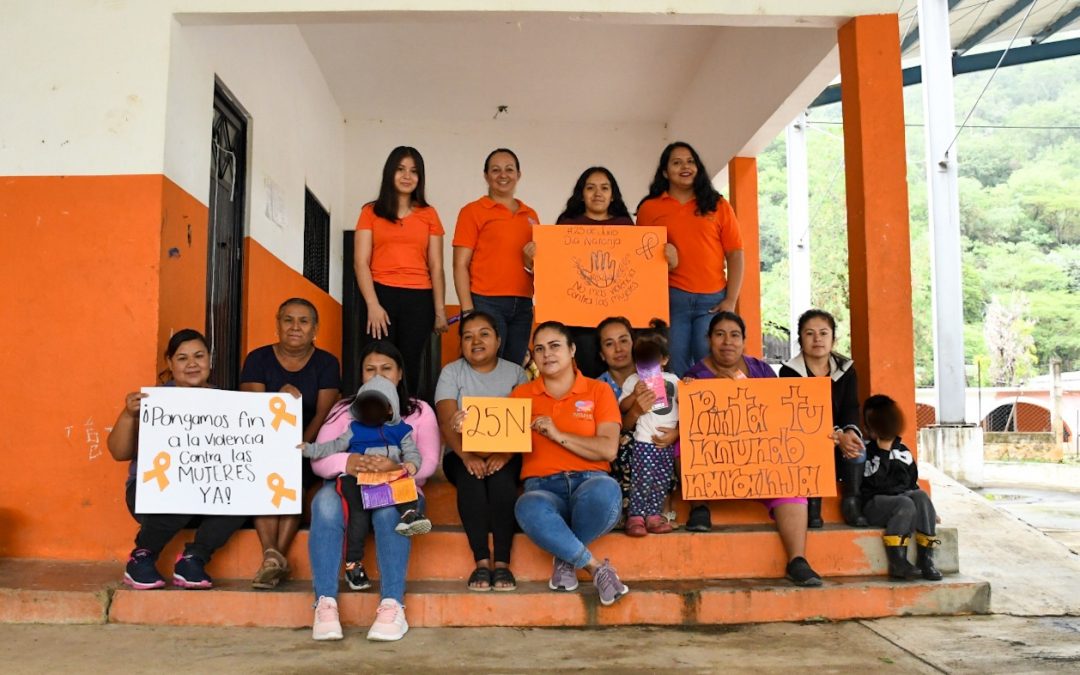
(552, 156)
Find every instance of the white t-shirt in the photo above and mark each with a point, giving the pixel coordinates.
(648, 423)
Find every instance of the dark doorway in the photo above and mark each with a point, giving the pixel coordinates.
(224, 259)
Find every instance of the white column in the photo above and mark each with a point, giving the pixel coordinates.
(798, 199)
(944, 210)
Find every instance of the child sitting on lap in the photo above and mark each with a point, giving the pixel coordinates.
(377, 429)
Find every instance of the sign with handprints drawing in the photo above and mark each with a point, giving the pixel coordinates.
(218, 452)
(756, 438)
(585, 273)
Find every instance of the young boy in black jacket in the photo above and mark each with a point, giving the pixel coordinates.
(891, 495)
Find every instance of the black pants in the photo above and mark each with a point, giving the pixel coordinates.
(486, 505)
(358, 519)
(156, 530)
(902, 514)
(587, 355)
(412, 319)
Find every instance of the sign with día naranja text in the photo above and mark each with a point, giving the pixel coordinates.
(756, 438)
(494, 424)
(586, 273)
(216, 452)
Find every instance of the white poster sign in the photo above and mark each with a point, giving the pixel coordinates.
(218, 452)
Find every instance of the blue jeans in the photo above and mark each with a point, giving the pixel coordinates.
(326, 543)
(513, 320)
(565, 512)
(688, 335)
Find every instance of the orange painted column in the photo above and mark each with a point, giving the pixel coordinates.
(743, 190)
(879, 247)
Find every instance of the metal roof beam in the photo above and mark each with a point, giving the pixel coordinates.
(1056, 25)
(992, 25)
(913, 35)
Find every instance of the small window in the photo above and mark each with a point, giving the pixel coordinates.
(316, 242)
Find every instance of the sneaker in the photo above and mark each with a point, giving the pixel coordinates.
(356, 576)
(141, 574)
(563, 577)
(327, 625)
(700, 519)
(657, 525)
(389, 623)
(412, 523)
(635, 526)
(189, 572)
(800, 572)
(608, 584)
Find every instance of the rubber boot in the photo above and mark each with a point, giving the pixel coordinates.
(896, 551)
(925, 546)
(850, 504)
(813, 513)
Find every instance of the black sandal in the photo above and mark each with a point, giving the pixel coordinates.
(503, 575)
(480, 575)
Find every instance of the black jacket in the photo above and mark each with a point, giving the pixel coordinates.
(889, 472)
(845, 389)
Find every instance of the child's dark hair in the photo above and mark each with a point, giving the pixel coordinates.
(882, 417)
(651, 344)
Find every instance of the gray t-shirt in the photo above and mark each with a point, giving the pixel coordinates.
(459, 379)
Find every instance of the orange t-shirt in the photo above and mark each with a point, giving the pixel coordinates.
(702, 241)
(496, 238)
(588, 404)
(399, 251)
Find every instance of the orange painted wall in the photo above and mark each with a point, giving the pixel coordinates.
(184, 222)
(743, 187)
(267, 283)
(80, 257)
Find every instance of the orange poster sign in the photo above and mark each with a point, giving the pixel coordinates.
(496, 424)
(756, 438)
(586, 273)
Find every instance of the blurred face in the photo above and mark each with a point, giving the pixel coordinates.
(552, 353)
(726, 344)
(296, 327)
(380, 364)
(616, 346)
(502, 175)
(681, 169)
(597, 195)
(479, 344)
(816, 338)
(190, 365)
(406, 177)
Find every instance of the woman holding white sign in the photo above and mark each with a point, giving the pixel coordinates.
(570, 500)
(726, 358)
(327, 537)
(188, 359)
(487, 485)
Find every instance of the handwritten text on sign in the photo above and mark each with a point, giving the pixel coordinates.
(584, 273)
(218, 452)
(496, 424)
(758, 438)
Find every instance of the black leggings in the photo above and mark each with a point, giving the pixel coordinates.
(358, 519)
(156, 530)
(486, 505)
(902, 514)
(412, 319)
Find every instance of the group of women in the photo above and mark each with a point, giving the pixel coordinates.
(569, 496)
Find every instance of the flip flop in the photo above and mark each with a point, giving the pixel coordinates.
(503, 575)
(480, 575)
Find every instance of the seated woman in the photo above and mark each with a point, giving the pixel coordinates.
(726, 335)
(569, 498)
(327, 537)
(487, 484)
(293, 365)
(816, 358)
(188, 359)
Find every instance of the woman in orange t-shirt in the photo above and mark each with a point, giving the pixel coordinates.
(398, 261)
(702, 227)
(489, 273)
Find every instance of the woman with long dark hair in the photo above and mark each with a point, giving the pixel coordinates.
(702, 227)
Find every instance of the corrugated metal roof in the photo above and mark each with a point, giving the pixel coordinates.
(982, 24)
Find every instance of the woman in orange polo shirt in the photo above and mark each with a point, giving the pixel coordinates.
(569, 499)
(399, 261)
(702, 227)
(489, 273)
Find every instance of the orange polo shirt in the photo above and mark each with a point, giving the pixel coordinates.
(588, 404)
(496, 238)
(399, 253)
(702, 241)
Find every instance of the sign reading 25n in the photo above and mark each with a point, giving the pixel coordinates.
(496, 424)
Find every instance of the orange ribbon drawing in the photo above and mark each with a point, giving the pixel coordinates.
(276, 483)
(277, 406)
(161, 463)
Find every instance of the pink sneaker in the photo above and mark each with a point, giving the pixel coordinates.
(389, 623)
(327, 626)
(635, 526)
(657, 524)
